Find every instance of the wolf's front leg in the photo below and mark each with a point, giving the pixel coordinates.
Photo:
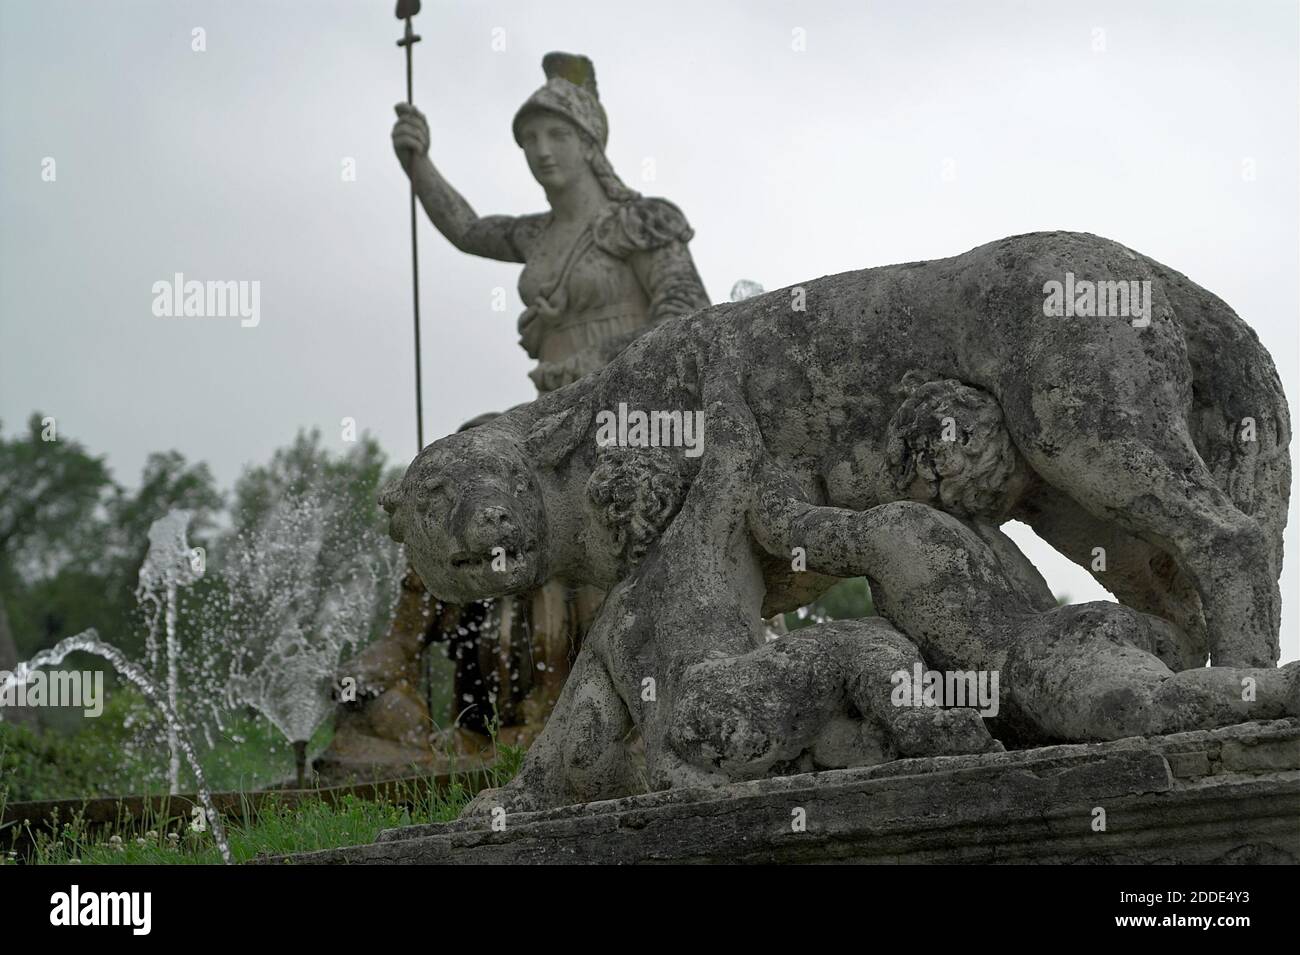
(581, 754)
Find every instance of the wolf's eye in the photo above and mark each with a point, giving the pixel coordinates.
(435, 497)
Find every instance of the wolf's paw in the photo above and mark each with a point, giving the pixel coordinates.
(493, 804)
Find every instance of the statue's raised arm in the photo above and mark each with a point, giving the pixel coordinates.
(603, 265)
(451, 214)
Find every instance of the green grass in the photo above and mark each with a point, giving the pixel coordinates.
(105, 756)
(274, 829)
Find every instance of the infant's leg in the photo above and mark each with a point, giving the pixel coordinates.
(1078, 674)
(745, 714)
(870, 652)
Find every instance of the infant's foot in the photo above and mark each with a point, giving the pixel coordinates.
(925, 731)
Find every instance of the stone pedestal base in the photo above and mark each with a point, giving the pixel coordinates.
(1228, 795)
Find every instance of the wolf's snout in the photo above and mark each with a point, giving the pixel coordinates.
(388, 499)
(490, 527)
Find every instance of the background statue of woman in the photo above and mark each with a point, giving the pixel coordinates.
(600, 268)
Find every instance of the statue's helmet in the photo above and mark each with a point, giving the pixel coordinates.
(570, 91)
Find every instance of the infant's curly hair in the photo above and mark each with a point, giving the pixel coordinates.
(638, 491)
(952, 436)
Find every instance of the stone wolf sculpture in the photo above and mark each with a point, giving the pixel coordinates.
(680, 659)
(1160, 438)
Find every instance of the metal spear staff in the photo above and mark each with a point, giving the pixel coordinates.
(405, 10)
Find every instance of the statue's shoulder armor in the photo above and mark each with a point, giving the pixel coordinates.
(642, 224)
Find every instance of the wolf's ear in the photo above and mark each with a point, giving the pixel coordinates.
(555, 436)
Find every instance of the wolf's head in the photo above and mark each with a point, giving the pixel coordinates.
(470, 512)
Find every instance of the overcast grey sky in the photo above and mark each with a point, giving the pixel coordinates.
(901, 131)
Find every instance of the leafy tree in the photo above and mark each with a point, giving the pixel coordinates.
(167, 483)
(51, 495)
(348, 484)
(354, 477)
(343, 488)
(51, 492)
(72, 540)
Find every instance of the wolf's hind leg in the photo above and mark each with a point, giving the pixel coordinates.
(1125, 455)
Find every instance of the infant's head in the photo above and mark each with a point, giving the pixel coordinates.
(948, 446)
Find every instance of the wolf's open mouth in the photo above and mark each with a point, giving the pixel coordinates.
(514, 555)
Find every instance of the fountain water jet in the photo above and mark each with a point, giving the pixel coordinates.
(170, 564)
(88, 642)
(303, 587)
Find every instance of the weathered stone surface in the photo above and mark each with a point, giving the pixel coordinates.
(885, 423)
(828, 366)
(1033, 805)
(1189, 765)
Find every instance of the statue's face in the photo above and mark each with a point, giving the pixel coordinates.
(556, 151)
(471, 516)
